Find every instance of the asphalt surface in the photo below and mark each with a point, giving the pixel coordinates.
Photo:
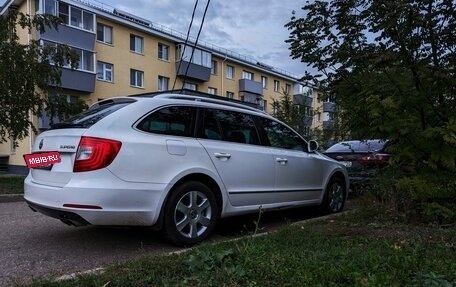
(33, 245)
(36, 246)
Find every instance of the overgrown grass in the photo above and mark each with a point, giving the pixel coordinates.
(11, 184)
(357, 249)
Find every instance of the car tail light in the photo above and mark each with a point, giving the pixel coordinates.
(95, 153)
(378, 159)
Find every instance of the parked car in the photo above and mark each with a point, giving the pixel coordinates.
(363, 159)
(178, 163)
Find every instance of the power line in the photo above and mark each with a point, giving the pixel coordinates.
(196, 41)
(186, 40)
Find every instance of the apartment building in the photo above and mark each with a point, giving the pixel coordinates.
(122, 54)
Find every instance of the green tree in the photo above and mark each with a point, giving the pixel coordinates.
(27, 71)
(390, 66)
(285, 110)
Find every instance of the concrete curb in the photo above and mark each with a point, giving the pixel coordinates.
(4, 198)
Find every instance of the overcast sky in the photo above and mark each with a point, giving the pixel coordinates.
(253, 28)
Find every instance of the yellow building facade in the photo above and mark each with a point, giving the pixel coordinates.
(121, 54)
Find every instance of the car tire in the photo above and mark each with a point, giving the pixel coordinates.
(335, 196)
(191, 213)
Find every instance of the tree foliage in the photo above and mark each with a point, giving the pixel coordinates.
(27, 71)
(390, 66)
(286, 111)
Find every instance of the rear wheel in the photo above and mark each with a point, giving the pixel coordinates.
(335, 196)
(191, 213)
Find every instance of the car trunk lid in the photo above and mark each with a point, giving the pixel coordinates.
(66, 145)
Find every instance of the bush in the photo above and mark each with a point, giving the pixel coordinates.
(429, 196)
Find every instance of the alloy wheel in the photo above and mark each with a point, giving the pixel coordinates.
(193, 214)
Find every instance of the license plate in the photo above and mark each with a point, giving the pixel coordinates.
(43, 160)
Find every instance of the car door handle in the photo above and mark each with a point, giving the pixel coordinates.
(281, 160)
(222, 155)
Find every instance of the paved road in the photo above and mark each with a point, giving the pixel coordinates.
(33, 245)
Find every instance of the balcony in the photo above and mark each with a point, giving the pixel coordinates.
(250, 87)
(307, 121)
(78, 80)
(193, 71)
(70, 36)
(253, 99)
(303, 100)
(328, 125)
(328, 107)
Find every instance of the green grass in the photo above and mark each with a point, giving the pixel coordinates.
(10, 184)
(349, 250)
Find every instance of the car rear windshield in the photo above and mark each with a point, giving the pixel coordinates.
(357, 146)
(94, 114)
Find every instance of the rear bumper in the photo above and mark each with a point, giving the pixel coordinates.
(69, 218)
(120, 203)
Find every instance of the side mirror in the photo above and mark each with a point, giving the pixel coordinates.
(313, 146)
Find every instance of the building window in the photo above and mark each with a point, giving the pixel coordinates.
(64, 13)
(230, 72)
(264, 82)
(199, 57)
(136, 44)
(104, 72)
(86, 58)
(76, 17)
(163, 83)
(230, 95)
(49, 7)
(276, 86)
(287, 89)
(247, 75)
(212, 91)
(13, 146)
(163, 52)
(104, 33)
(275, 108)
(136, 78)
(214, 67)
(190, 86)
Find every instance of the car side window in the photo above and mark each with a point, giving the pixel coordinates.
(229, 126)
(280, 136)
(177, 121)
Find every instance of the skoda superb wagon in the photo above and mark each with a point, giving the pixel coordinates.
(178, 163)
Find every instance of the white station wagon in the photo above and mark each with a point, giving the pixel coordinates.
(178, 163)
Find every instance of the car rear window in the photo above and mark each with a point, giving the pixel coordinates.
(91, 116)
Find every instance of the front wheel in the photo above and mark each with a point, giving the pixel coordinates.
(191, 213)
(335, 195)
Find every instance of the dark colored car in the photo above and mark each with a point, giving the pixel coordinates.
(363, 159)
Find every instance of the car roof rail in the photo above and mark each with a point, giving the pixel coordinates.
(209, 100)
(203, 97)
